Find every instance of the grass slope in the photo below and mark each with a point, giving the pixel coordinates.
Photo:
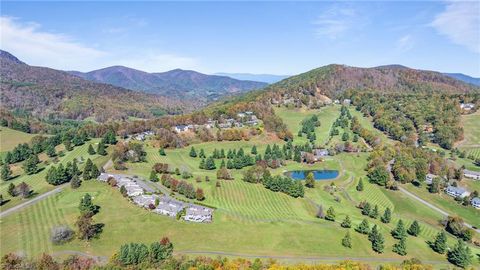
(9, 138)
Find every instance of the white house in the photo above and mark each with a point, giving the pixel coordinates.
(133, 190)
(429, 178)
(475, 202)
(198, 213)
(457, 192)
(471, 174)
(181, 128)
(467, 106)
(347, 101)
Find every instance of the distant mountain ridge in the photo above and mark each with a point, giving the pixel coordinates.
(333, 80)
(178, 83)
(267, 78)
(464, 78)
(50, 93)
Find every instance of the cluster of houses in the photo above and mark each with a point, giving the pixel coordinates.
(163, 205)
(247, 118)
(458, 192)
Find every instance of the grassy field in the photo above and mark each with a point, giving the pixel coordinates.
(293, 118)
(249, 219)
(471, 124)
(9, 138)
(37, 181)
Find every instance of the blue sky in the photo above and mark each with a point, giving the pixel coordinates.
(253, 37)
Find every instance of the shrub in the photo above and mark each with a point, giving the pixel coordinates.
(61, 234)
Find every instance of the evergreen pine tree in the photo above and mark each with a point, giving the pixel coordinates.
(91, 151)
(210, 164)
(374, 213)
(364, 227)
(86, 206)
(162, 152)
(400, 248)
(30, 165)
(254, 150)
(202, 153)
(51, 150)
(87, 170)
(439, 245)
(460, 255)
(373, 234)
(347, 240)
(94, 173)
(309, 180)
(6, 172)
(101, 149)
(193, 153)
(378, 245)
(399, 231)
(387, 216)
(330, 214)
(202, 164)
(360, 185)
(75, 182)
(222, 165)
(11, 190)
(414, 229)
(346, 223)
(366, 209)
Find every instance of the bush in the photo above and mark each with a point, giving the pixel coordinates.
(61, 234)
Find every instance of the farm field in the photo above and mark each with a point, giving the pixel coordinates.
(37, 181)
(9, 138)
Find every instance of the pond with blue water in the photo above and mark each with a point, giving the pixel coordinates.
(317, 174)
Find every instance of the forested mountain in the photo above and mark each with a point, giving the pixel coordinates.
(464, 78)
(49, 93)
(333, 80)
(185, 84)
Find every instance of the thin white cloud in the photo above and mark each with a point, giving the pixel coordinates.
(336, 21)
(460, 22)
(405, 43)
(36, 47)
(42, 48)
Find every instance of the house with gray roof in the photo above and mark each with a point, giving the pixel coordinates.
(475, 202)
(457, 192)
(471, 174)
(198, 213)
(145, 200)
(169, 207)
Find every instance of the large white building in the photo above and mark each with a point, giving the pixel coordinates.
(457, 192)
(198, 213)
(471, 174)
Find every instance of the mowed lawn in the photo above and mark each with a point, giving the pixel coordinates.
(37, 181)
(9, 138)
(28, 231)
(471, 130)
(294, 117)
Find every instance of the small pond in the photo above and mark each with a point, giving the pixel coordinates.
(317, 174)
